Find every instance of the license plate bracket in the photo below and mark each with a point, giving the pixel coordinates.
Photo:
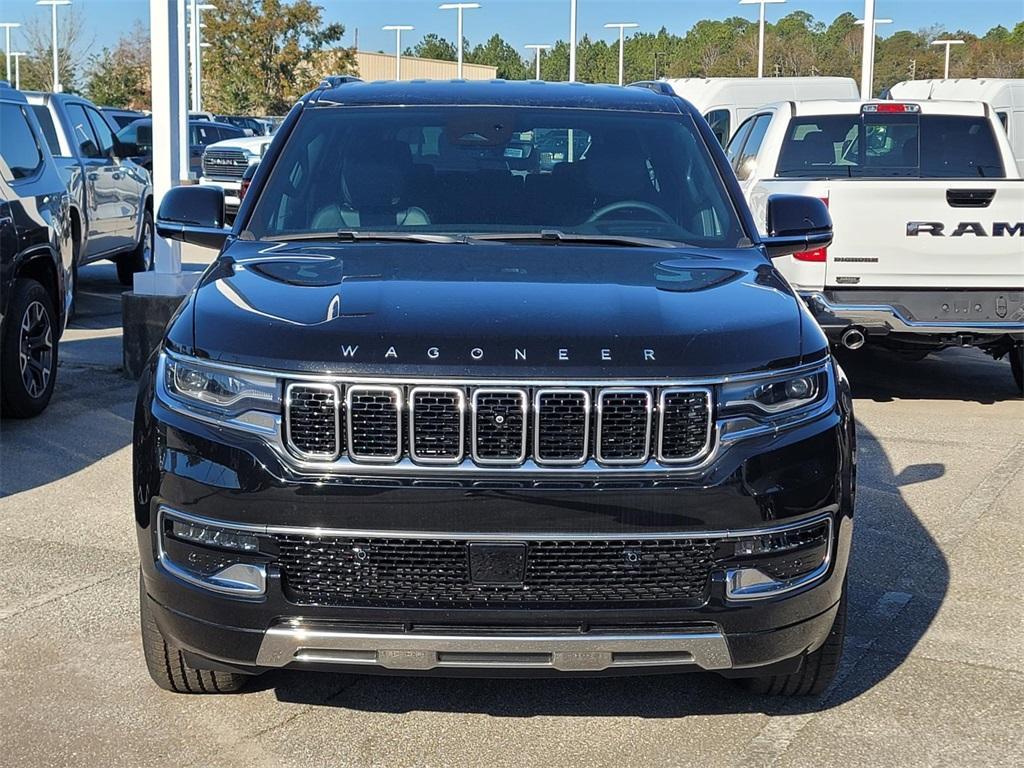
(497, 563)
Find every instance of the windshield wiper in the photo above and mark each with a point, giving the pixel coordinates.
(557, 236)
(351, 236)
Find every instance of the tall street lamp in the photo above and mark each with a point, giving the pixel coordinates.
(196, 45)
(398, 29)
(870, 61)
(53, 27)
(459, 7)
(622, 26)
(572, 42)
(16, 55)
(948, 44)
(760, 33)
(537, 50)
(8, 26)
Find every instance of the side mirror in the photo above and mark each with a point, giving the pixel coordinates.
(193, 214)
(796, 223)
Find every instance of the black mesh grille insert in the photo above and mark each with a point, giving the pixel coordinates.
(624, 433)
(427, 573)
(685, 418)
(436, 424)
(313, 420)
(500, 425)
(374, 423)
(562, 425)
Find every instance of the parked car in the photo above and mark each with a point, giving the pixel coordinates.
(35, 260)
(929, 219)
(224, 163)
(1006, 97)
(725, 102)
(587, 426)
(119, 118)
(111, 194)
(251, 126)
(138, 137)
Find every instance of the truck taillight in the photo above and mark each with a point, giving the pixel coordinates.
(243, 188)
(889, 107)
(818, 254)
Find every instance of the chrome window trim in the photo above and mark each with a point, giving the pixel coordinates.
(360, 388)
(706, 449)
(312, 455)
(600, 433)
(587, 406)
(453, 460)
(524, 398)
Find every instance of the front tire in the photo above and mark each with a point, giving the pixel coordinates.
(167, 665)
(141, 258)
(817, 671)
(28, 351)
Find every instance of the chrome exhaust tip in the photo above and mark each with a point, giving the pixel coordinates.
(853, 338)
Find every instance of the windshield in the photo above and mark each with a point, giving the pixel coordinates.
(491, 170)
(890, 145)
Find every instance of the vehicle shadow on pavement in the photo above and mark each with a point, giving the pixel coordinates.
(898, 579)
(968, 375)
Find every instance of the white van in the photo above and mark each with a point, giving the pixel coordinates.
(726, 102)
(1006, 97)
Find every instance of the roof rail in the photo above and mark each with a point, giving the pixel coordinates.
(333, 81)
(658, 86)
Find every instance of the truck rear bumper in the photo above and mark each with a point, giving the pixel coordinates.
(984, 313)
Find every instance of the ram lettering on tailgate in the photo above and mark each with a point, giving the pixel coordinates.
(938, 229)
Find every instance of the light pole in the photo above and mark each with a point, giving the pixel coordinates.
(760, 33)
(622, 26)
(871, 60)
(8, 26)
(398, 29)
(572, 42)
(948, 44)
(16, 55)
(867, 64)
(196, 46)
(53, 27)
(459, 7)
(537, 49)
(656, 55)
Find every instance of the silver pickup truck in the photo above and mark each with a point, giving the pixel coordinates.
(111, 196)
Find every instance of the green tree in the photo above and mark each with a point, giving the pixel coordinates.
(119, 76)
(434, 46)
(264, 54)
(500, 54)
(72, 45)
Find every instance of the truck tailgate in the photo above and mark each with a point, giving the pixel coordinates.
(924, 233)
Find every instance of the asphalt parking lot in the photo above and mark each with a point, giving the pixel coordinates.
(933, 672)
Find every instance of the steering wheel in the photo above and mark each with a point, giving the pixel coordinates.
(635, 205)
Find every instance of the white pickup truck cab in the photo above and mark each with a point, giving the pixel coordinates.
(928, 210)
(225, 162)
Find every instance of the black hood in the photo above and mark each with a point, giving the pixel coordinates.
(497, 310)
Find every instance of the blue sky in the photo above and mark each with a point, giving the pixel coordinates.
(544, 21)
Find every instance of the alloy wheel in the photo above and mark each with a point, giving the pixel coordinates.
(36, 349)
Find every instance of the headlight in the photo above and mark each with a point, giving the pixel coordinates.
(220, 390)
(777, 395)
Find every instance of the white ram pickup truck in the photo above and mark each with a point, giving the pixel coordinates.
(928, 209)
(225, 162)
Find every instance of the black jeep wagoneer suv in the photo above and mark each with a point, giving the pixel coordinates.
(498, 379)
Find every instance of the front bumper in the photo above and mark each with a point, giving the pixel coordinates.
(769, 484)
(986, 314)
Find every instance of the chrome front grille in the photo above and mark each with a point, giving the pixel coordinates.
(224, 163)
(491, 426)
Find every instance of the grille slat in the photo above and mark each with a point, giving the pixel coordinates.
(553, 426)
(685, 424)
(374, 423)
(312, 420)
(435, 573)
(224, 163)
(436, 430)
(562, 426)
(499, 426)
